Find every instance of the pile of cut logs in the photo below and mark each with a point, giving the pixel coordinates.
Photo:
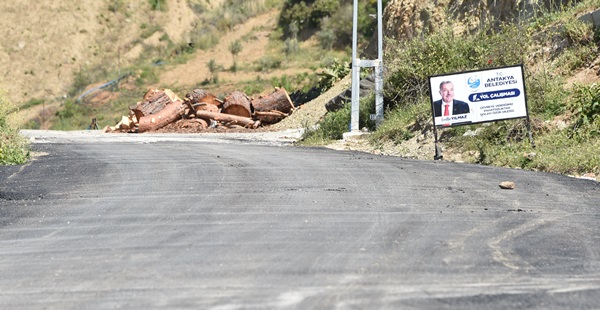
(161, 107)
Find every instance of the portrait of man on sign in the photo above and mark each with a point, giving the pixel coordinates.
(448, 106)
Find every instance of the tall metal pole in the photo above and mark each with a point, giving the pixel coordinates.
(358, 63)
(355, 73)
(379, 67)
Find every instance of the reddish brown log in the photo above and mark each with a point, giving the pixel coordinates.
(203, 106)
(170, 113)
(223, 117)
(199, 95)
(150, 93)
(279, 100)
(154, 101)
(192, 123)
(271, 117)
(237, 103)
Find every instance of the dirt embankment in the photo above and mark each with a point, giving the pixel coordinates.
(45, 44)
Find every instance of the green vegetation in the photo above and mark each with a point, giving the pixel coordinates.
(213, 23)
(565, 118)
(32, 103)
(337, 123)
(329, 19)
(235, 48)
(214, 69)
(158, 4)
(14, 149)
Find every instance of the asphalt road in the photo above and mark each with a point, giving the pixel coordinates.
(172, 221)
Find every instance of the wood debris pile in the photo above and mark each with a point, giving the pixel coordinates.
(200, 109)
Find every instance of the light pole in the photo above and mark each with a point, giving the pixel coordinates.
(360, 63)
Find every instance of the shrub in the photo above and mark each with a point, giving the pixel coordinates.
(266, 63)
(586, 107)
(160, 5)
(410, 63)
(335, 124)
(235, 48)
(72, 116)
(329, 15)
(14, 149)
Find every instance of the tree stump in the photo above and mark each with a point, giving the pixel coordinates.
(229, 118)
(203, 106)
(201, 96)
(237, 103)
(271, 117)
(279, 100)
(154, 102)
(169, 114)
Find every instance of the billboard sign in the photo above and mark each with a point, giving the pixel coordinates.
(478, 96)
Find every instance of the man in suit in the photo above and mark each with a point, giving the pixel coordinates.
(447, 105)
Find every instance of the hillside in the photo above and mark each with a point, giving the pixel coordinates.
(46, 43)
(66, 49)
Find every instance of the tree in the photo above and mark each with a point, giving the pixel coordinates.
(214, 69)
(235, 48)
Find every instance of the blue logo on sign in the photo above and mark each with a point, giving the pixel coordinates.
(491, 95)
(473, 82)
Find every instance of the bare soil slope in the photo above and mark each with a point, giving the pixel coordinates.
(45, 43)
(254, 36)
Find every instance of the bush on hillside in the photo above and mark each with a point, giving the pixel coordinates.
(14, 149)
(329, 17)
(410, 63)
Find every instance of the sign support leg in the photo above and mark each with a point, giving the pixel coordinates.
(529, 132)
(438, 150)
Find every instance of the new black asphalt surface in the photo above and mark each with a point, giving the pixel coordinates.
(171, 222)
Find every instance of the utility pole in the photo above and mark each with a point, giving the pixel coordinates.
(362, 63)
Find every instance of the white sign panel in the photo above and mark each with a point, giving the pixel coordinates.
(478, 96)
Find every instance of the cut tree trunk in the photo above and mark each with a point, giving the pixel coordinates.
(279, 100)
(192, 123)
(271, 117)
(237, 103)
(201, 96)
(170, 113)
(154, 101)
(223, 117)
(203, 106)
(125, 125)
(150, 93)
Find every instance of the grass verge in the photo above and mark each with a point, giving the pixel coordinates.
(14, 148)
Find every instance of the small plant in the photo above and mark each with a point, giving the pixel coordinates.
(81, 80)
(290, 46)
(255, 87)
(402, 123)
(214, 69)
(148, 30)
(204, 38)
(586, 106)
(267, 63)
(158, 5)
(235, 48)
(335, 124)
(115, 5)
(578, 32)
(146, 75)
(14, 149)
(32, 103)
(334, 72)
(326, 38)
